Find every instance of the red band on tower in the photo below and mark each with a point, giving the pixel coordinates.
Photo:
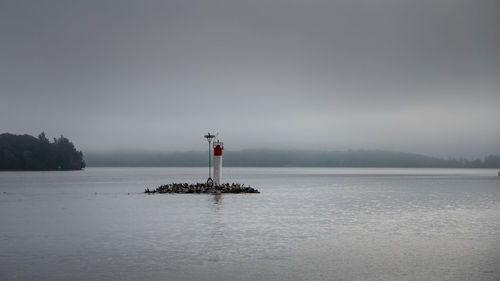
(218, 150)
(218, 147)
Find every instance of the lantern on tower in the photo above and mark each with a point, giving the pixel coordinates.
(218, 147)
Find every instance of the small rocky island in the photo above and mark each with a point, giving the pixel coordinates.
(202, 188)
(213, 186)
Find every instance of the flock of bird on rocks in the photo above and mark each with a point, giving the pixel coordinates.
(202, 188)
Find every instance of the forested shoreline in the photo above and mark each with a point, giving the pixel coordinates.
(285, 158)
(26, 152)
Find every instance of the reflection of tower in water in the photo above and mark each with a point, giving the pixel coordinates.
(217, 201)
(217, 247)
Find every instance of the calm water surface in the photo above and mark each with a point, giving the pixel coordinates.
(307, 224)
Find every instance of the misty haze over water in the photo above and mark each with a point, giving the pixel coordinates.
(380, 83)
(377, 83)
(398, 75)
(284, 158)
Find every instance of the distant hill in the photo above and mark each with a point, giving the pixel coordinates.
(285, 158)
(25, 152)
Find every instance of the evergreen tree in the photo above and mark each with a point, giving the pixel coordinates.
(25, 152)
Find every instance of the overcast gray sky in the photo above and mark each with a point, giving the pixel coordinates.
(420, 76)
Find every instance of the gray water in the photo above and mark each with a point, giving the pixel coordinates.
(307, 224)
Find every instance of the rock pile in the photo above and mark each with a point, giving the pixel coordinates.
(202, 188)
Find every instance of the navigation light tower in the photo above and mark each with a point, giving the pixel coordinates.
(218, 147)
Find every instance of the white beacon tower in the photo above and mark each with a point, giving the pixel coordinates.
(218, 147)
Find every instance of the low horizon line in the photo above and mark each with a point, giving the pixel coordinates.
(143, 150)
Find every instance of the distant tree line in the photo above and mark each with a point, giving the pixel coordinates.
(25, 152)
(286, 158)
